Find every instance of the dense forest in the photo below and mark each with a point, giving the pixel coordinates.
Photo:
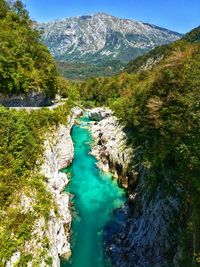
(81, 71)
(25, 63)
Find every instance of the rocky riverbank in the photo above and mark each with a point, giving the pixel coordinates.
(49, 239)
(111, 147)
(146, 235)
(59, 153)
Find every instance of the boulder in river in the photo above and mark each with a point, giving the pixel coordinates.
(98, 114)
(77, 111)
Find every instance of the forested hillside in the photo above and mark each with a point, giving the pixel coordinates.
(80, 71)
(25, 63)
(160, 110)
(157, 54)
(25, 66)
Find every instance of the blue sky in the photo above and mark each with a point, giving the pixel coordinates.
(178, 15)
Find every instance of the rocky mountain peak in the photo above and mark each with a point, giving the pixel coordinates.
(99, 37)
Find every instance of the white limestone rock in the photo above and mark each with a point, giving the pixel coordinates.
(77, 111)
(14, 259)
(58, 154)
(111, 145)
(147, 236)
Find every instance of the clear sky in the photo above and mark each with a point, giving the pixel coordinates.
(178, 15)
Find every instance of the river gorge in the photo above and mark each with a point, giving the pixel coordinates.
(103, 226)
(95, 196)
(104, 213)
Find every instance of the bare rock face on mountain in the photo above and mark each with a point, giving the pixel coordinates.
(102, 37)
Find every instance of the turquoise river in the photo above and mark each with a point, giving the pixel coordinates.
(96, 196)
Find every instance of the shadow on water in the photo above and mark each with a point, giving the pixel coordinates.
(96, 196)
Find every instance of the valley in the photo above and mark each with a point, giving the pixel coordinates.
(95, 196)
(109, 174)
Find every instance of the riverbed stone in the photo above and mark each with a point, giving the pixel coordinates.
(77, 111)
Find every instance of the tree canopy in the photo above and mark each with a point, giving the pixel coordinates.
(25, 63)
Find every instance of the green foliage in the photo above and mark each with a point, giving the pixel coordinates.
(193, 36)
(81, 71)
(25, 63)
(3, 8)
(21, 148)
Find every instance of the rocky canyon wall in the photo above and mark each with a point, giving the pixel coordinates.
(50, 238)
(149, 233)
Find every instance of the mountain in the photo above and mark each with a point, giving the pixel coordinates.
(101, 37)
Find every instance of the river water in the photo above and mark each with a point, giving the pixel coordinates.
(96, 196)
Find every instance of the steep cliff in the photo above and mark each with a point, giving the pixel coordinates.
(59, 154)
(111, 145)
(149, 232)
(49, 237)
(32, 99)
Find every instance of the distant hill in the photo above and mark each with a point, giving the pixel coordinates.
(102, 38)
(193, 36)
(153, 57)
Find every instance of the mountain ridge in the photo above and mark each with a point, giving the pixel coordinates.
(101, 36)
(84, 16)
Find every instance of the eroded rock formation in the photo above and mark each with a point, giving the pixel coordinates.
(147, 232)
(111, 147)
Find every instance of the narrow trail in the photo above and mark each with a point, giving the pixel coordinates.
(38, 108)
